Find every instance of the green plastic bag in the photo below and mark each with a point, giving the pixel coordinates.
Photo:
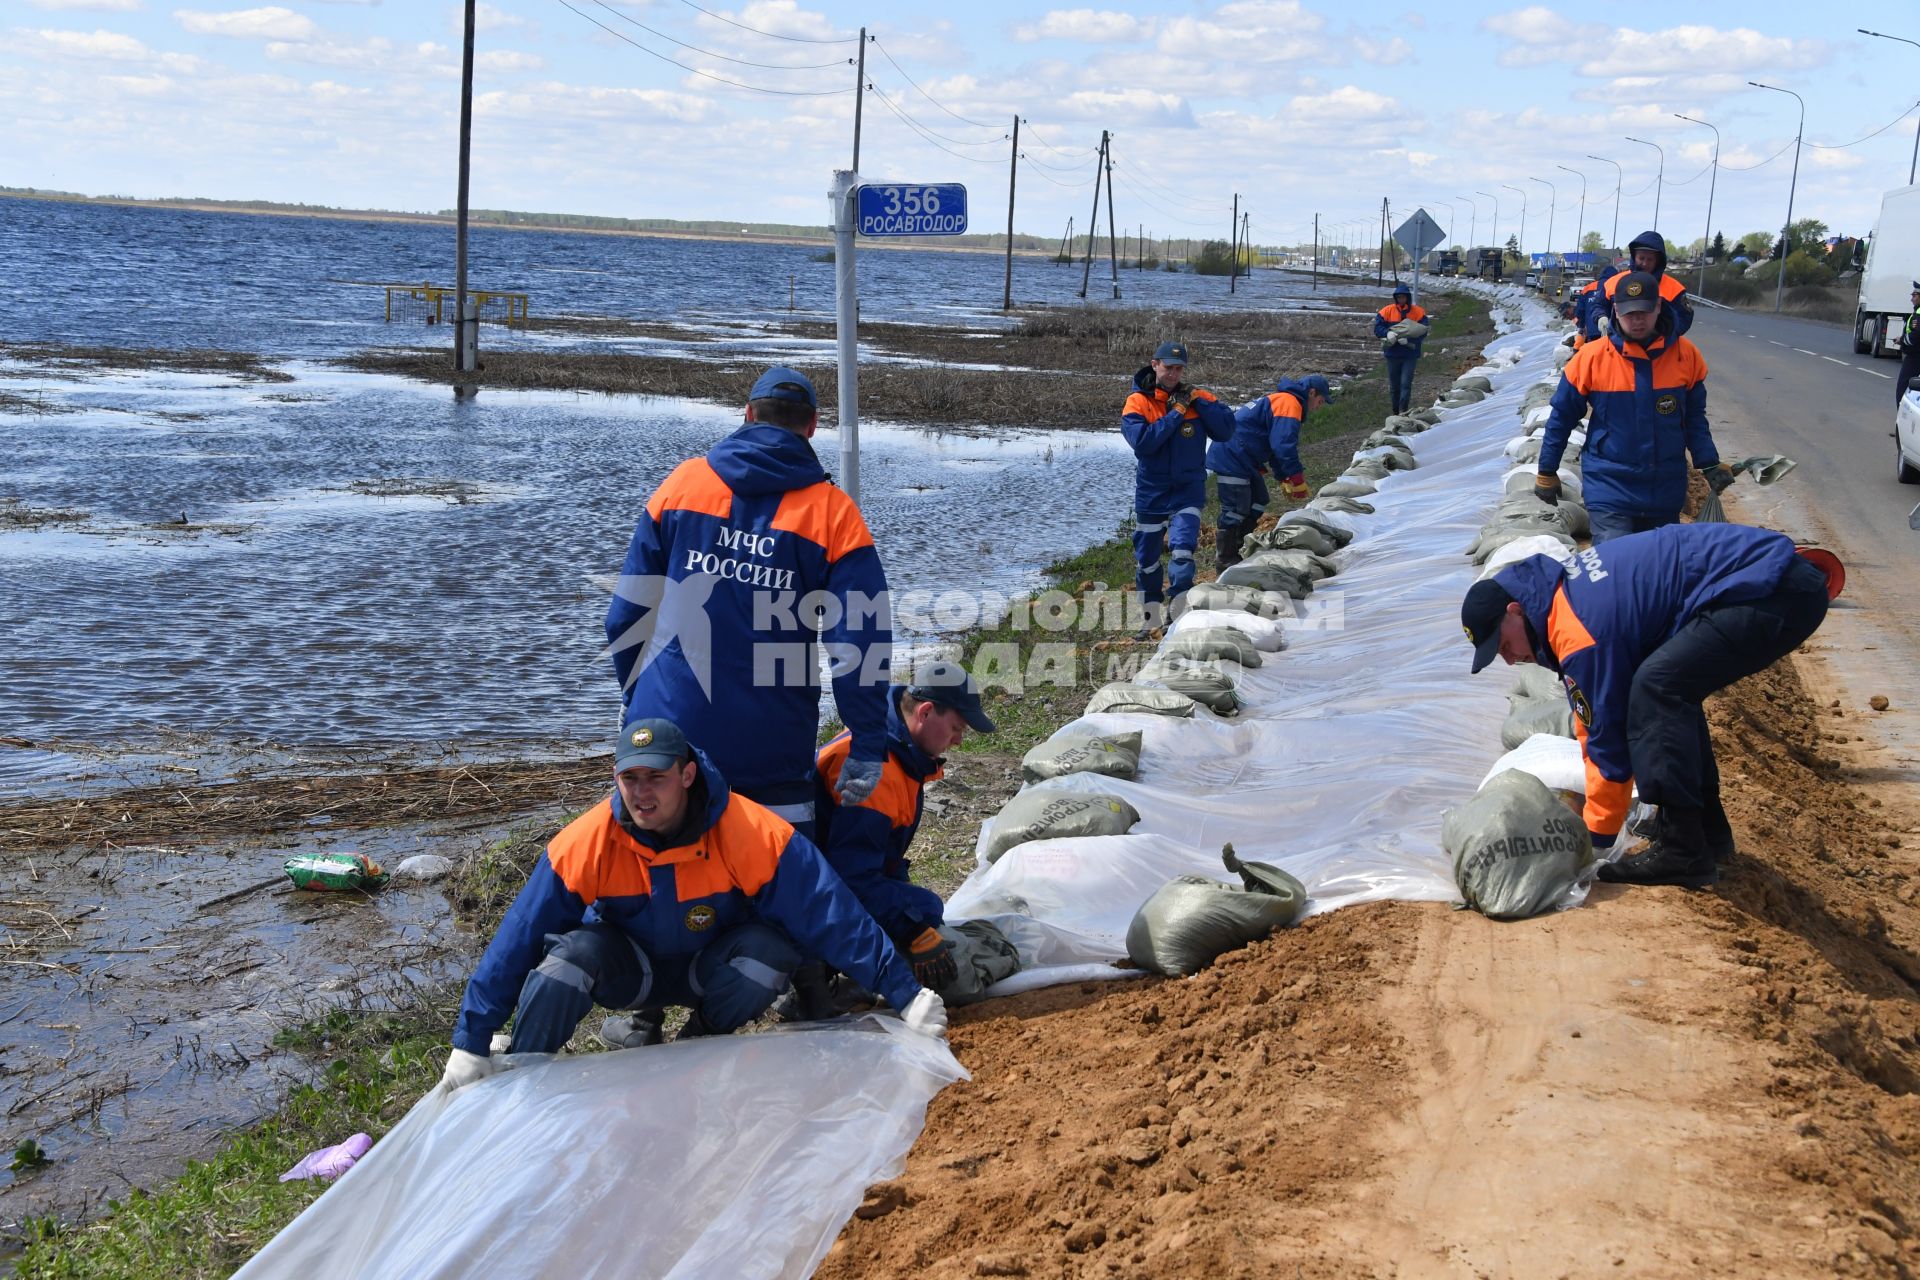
(334, 872)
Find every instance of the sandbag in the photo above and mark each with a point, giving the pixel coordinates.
(1394, 459)
(1262, 604)
(1207, 683)
(1474, 382)
(1427, 416)
(1303, 562)
(1054, 813)
(1117, 755)
(1385, 437)
(1351, 506)
(1291, 537)
(1340, 534)
(1519, 549)
(1365, 469)
(1121, 696)
(1517, 850)
(1490, 542)
(1191, 921)
(1462, 395)
(1536, 682)
(1266, 576)
(1765, 468)
(1405, 424)
(1212, 642)
(1521, 481)
(1579, 523)
(983, 956)
(1536, 715)
(1348, 487)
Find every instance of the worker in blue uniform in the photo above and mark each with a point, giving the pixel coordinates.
(1266, 439)
(1401, 351)
(1168, 424)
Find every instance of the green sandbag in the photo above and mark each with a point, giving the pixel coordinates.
(1191, 921)
(1262, 604)
(1365, 469)
(1117, 755)
(1392, 459)
(1491, 541)
(1264, 576)
(1517, 850)
(1211, 643)
(1428, 416)
(1530, 716)
(1348, 487)
(1385, 437)
(1475, 382)
(1207, 683)
(1121, 696)
(1051, 813)
(1346, 506)
(982, 955)
(1340, 534)
(1305, 563)
(1291, 537)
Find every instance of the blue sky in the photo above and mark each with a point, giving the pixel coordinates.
(1299, 107)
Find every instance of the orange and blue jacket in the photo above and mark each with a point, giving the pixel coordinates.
(1676, 317)
(1266, 435)
(733, 864)
(1596, 622)
(866, 843)
(1169, 446)
(1646, 409)
(707, 630)
(1393, 313)
(1587, 307)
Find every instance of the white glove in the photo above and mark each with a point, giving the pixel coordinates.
(464, 1068)
(925, 1013)
(858, 778)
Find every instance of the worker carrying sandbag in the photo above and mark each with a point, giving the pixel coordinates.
(674, 891)
(1640, 631)
(1168, 423)
(1266, 438)
(1401, 347)
(866, 843)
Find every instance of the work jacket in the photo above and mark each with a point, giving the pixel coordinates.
(866, 843)
(1676, 316)
(735, 863)
(1596, 622)
(1266, 435)
(1646, 410)
(707, 629)
(1170, 447)
(1392, 314)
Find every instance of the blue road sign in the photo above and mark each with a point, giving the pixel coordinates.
(912, 209)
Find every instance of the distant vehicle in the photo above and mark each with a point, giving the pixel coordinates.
(1893, 264)
(1533, 279)
(1448, 263)
(1906, 439)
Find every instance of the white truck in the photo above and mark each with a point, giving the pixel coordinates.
(1886, 283)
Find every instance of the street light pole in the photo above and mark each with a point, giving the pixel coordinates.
(1916, 129)
(1659, 181)
(1523, 228)
(1580, 232)
(1712, 182)
(1493, 235)
(1780, 285)
(1553, 198)
(1617, 171)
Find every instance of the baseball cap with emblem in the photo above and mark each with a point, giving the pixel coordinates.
(1480, 616)
(947, 684)
(1171, 353)
(782, 383)
(1638, 292)
(650, 744)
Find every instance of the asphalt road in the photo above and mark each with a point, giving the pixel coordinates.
(1781, 385)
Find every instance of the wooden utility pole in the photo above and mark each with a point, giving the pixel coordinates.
(1316, 251)
(1112, 263)
(464, 346)
(1013, 174)
(859, 96)
(1093, 220)
(1233, 247)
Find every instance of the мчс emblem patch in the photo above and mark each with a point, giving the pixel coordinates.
(701, 918)
(1668, 403)
(1581, 707)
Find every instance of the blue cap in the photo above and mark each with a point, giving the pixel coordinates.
(1317, 382)
(1399, 289)
(650, 744)
(1167, 353)
(946, 684)
(782, 383)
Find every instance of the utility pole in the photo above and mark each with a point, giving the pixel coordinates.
(859, 96)
(1013, 174)
(1915, 162)
(1093, 219)
(846, 295)
(1233, 247)
(1112, 262)
(1617, 172)
(1522, 240)
(1580, 228)
(1706, 241)
(1316, 251)
(1066, 245)
(1380, 259)
(1787, 230)
(466, 346)
(1659, 180)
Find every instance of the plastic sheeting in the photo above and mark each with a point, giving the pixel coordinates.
(1351, 742)
(727, 1156)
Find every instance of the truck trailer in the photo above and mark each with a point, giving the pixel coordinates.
(1893, 264)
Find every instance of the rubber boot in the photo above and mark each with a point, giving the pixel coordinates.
(1680, 856)
(1227, 540)
(1717, 830)
(634, 1030)
(695, 1027)
(811, 998)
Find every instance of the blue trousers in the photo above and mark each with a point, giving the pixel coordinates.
(1609, 524)
(1400, 381)
(731, 981)
(1667, 739)
(1242, 501)
(1176, 531)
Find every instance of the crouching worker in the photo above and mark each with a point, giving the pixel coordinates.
(1641, 631)
(1266, 437)
(671, 892)
(867, 842)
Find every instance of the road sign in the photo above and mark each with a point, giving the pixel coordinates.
(912, 209)
(1419, 234)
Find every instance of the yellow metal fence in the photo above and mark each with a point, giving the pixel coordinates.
(429, 303)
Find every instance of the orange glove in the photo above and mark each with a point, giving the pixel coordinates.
(932, 959)
(1547, 489)
(1295, 487)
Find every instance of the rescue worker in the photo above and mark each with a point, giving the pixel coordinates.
(1909, 351)
(1641, 631)
(1648, 399)
(1648, 253)
(674, 891)
(1266, 438)
(866, 843)
(1168, 424)
(1589, 306)
(1402, 353)
(710, 628)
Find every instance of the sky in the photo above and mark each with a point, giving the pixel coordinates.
(624, 108)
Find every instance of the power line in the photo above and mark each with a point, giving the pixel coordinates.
(924, 135)
(958, 142)
(1841, 146)
(708, 53)
(1141, 196)
(771, 35)
(1061, 168)
(1742, 168)
(923, 93)
(1069, 186)
(652, 53)
(1172, 196)
(1077, 151)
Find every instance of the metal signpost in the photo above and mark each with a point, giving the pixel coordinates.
(878, 210)
(1419, 236)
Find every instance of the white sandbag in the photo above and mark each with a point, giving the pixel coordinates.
(1208, 643)
(1348, 487)
(1268, 634)
(1489, 544)
(1520, 480)
(1262, 604)
(1523, 548)
(1556, 761)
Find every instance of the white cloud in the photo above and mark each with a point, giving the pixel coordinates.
(1137, 108)
(1256, 32)
(553, 100)
(1538, 35)
(487, 17)
(112, 45)
(1088, 26)
(777, 17)
(94, 6)
(1389, 53)
(508, 60)
(1697, 50)
(249, 24)
(1833, 160)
